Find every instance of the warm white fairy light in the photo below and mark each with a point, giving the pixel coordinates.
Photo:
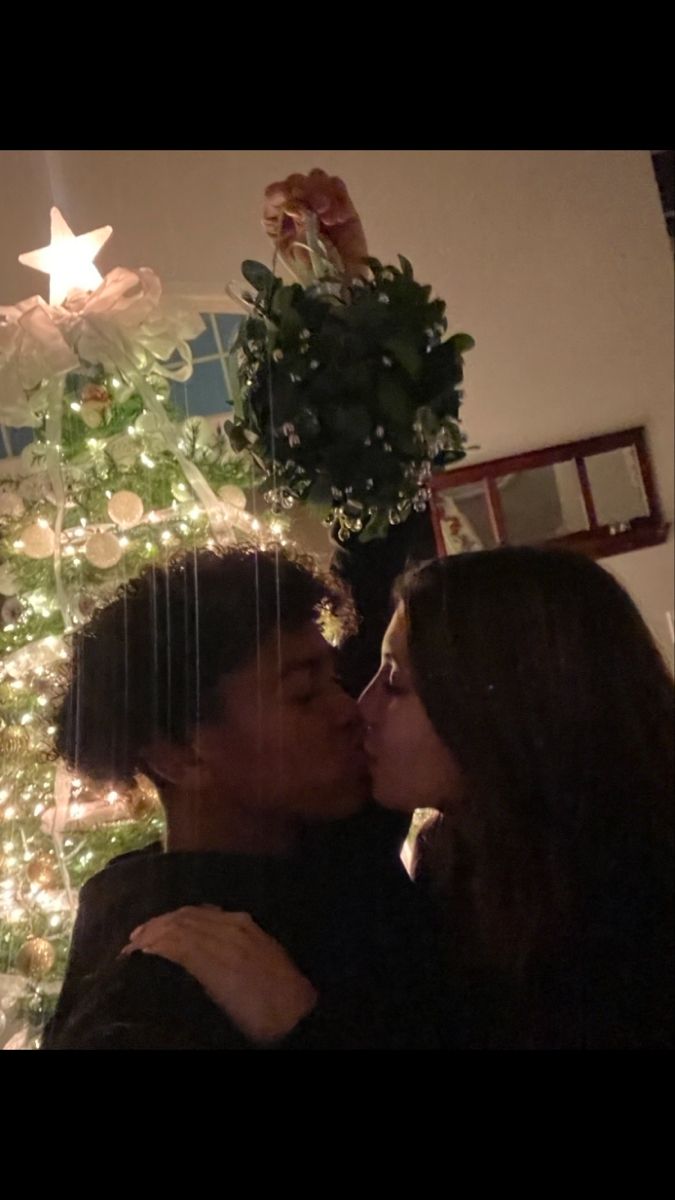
(146, 460)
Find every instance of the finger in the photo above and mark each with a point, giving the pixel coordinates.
(210, 914)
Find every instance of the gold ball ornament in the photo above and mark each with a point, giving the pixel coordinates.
(43, 871)
(125, 509)
(103, 550)
(38, 540)
(14, 740)
(36, 958)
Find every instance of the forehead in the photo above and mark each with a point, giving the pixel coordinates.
(283, 652)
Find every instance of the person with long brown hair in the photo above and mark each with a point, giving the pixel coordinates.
(538, 719)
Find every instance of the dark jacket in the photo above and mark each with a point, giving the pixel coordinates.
(343, 908)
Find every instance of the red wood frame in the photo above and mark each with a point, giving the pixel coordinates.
(599, 541)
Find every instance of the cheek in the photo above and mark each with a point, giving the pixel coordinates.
(412, 760)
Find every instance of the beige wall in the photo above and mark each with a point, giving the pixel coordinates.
(558, 262)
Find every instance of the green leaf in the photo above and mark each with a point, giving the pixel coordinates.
(406, 267)
(377, 527)
(406, 354)
(257, 274)
(393, 400)
(237, 436)
(462, 342)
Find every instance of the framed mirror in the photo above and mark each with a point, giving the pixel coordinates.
(596, 495)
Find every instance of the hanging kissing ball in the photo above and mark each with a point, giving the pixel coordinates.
(229, 493)
(42, 871)
(125, 509)
(103, 550)
(9, 584)
(38, 540)
(11, 504)
(11, 610)
(36, 958)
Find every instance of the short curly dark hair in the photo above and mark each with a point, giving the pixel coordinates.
(150, 661)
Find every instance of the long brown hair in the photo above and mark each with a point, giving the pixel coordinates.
(540, 675)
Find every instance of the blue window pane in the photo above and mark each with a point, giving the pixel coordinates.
(17, 439)
(206, 343)
(227, 324)
(205, 391)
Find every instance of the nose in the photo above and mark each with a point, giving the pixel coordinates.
(367, 702)
(347, 715)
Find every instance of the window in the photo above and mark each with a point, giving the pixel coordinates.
(205, 393)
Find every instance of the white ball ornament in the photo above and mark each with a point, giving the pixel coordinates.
(103, 550)
(38, 540)
(125, 509)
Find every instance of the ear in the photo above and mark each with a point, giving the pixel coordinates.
(176, 763)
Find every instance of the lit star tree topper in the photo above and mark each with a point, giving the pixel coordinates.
(68, 259)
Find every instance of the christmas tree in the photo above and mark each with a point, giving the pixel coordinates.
(115, 478)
